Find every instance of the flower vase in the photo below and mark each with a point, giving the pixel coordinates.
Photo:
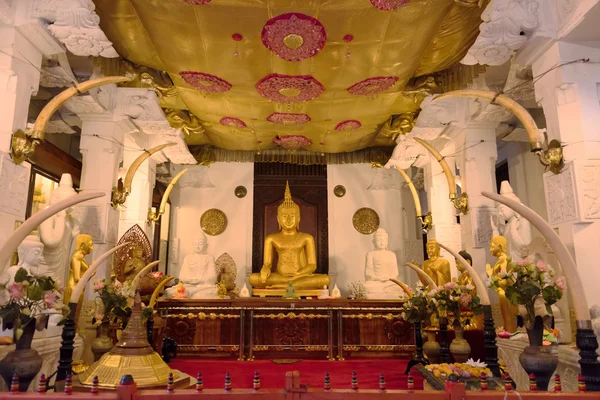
(538, 359)
(103, 343)
(459, 347)
(431, 347)
(23, 361)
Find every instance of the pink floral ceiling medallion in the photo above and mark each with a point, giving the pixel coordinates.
(205, 82)
(292, 142)
(348, 125)
(288, 118)
(294, 36)
(373, 86)
(196, 2)
(289, 89)
(233, 122)
(388, 5)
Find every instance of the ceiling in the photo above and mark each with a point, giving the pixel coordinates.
(221, 56)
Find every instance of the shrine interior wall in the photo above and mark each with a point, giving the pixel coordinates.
(348, 247)
(189, 203)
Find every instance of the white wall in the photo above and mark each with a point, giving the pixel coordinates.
(348, 247)
(188, 204)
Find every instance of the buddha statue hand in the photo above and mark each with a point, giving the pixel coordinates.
(265, 272)
(489, 270)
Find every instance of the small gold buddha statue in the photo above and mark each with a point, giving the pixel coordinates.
(83, 246)
(134, 265)
(509, 311)
(297, 260)
(435, 266)
(465, 278)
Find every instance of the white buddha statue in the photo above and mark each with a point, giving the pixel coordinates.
(30, 253)
(198, 273)
(513, 227)
(57, 234)
(381, 264)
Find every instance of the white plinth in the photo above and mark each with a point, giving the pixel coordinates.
(568, 364)
(48, 349)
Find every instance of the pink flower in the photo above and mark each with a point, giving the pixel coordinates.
(450, 285)
(50, 299)
(542, 266)
(16, 291)
(521, 263)
(99, 317)
(98, 285)
(118, 285)
(561, 283)
(465, 299)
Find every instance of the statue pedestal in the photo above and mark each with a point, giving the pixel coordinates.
(281, 292)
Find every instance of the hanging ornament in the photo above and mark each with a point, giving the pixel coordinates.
(237, 37)
(348, 38)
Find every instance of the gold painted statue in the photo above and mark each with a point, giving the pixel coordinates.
(83, 246)
(297, 260)
(134, 265)
(465, 278)
(509, 311)
(435, 266)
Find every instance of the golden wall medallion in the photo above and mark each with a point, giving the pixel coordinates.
(365, 220)
(339, 191)
(213, 222)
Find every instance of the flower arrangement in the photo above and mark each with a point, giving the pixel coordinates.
(465, 371)
(357, 290)
(24, 300)
(113, 295)
(526, 284)
(451, 298)
(417, 304)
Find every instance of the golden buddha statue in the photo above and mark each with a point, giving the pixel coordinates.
(509, 311)
(297, 260)
(465, 278)
(435, 266)
(134, 265)
(83, 246)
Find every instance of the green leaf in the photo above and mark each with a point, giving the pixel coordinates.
(21, 275)
(18, 333)
(35, 293)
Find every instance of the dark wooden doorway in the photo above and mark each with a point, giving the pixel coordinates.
(308, 184)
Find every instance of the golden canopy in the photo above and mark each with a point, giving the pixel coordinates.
(243, 66)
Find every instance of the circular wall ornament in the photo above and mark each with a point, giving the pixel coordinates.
(339, 191)
(240, 192)
(294, 36)
(365, 220)
(213, 222)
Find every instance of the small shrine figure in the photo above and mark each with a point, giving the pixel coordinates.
(290, 292)
(180, 292)
(134, 265)
(324, 293)
(84, 245)
(435, 266)
(509, 311)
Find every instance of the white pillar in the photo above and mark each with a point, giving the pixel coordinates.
(569, 96)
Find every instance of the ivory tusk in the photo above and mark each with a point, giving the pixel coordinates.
(413, 191)
(582, 311)
(35, 220)
(163, 203)
(403, 286)
(138, 161)
(481, 289)
(157, 291)
(443, 164)
(78, 289)
(136, 281)
(422, 273)
(535, 138)
(50, 108)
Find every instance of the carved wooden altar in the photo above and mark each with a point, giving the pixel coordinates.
(276, 328)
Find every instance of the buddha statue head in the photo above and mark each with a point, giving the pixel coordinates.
(137, 252)
(30, 251)
(506, 213)
(84, 243)
(498, 246)
(380, 239)
(200, 243)
(432, 248)
(467, 257)
(288, 212)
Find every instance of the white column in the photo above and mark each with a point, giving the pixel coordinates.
(569, 96)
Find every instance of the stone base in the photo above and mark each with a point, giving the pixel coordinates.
(281, 292)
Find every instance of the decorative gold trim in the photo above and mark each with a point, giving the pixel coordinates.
(206, 348)
(213, 222)
(203, 316)
(309, 348)
(378, 348)
(290, 315)
(369, 316)
(365, 220)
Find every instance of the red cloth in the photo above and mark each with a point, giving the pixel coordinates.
(272, 375)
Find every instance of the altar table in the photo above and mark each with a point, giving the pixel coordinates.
(278, 328)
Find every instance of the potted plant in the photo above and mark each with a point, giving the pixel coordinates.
(448, 301)
(23, 303)
(532, 287)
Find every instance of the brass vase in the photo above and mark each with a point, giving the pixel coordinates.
(459, 347)
(431, 347)
(103, 343)
(538, 359)
(23, 361)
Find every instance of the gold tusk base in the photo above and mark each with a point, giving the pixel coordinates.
(551, 158)
(461, 203)
(22, 146)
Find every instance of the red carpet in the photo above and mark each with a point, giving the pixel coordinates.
(272, 375)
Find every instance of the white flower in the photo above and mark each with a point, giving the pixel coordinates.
(477, 363)
(469, 287)
(4, 297)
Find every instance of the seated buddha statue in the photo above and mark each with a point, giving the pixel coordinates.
(435, 266)
(134, 265)
(198, 273)
(509, 311)
(465, 278)
(381, 264)
(296, 261)
(30, 254)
